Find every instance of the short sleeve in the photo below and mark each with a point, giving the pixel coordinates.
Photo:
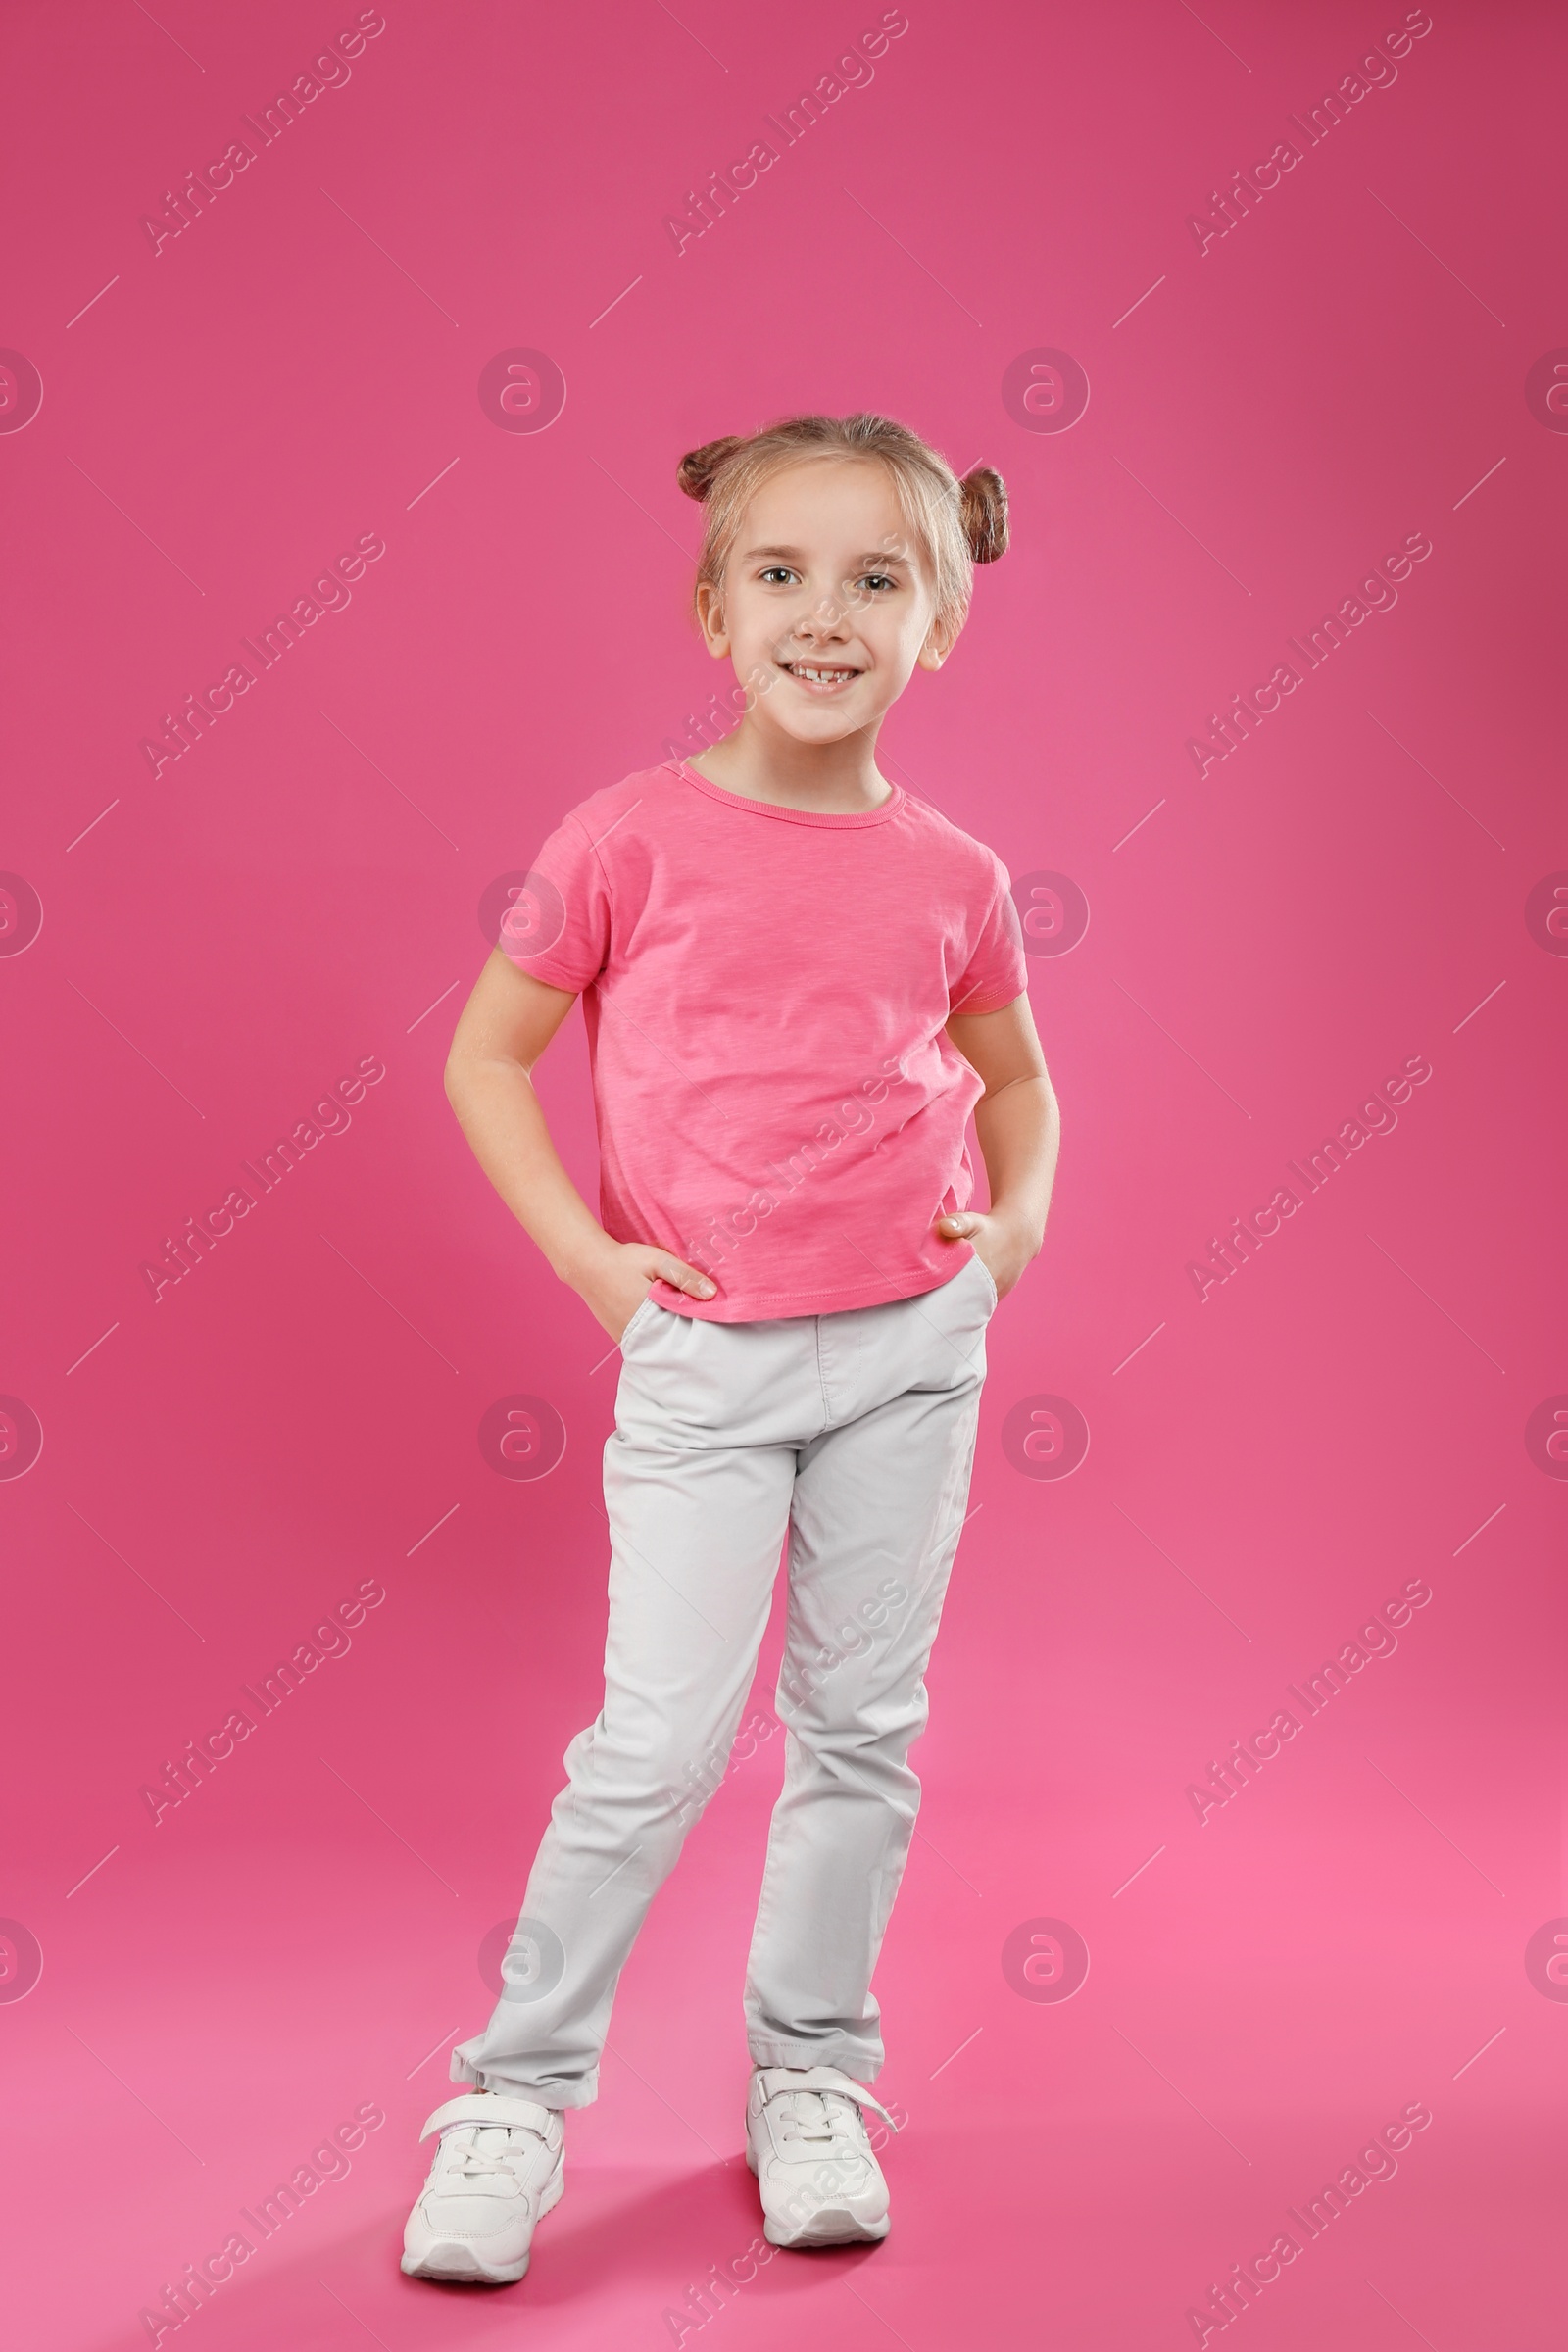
(555, 925)
(997, 972)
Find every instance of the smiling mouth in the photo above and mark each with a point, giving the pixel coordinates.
(820, 677)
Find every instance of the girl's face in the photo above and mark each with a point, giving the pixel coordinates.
(828, 606)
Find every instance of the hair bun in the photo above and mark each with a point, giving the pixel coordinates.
(696, 469)
(983, 513)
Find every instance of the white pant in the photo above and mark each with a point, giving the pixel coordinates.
(854, 1432)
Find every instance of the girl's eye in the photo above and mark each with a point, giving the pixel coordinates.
(778, 572)
(877, 580)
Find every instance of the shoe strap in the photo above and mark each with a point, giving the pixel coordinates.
(491, 2107)
(778, 2078)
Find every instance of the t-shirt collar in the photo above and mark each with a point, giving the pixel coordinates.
(794, 816)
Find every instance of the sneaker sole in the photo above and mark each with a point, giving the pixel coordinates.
(832, 2227)
(454, 2262)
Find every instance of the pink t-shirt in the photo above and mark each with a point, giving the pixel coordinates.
(765, 991)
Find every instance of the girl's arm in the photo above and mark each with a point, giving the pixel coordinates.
(1020, 1128)
(506, 1025)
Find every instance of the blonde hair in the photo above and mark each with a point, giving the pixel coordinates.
(957, 523)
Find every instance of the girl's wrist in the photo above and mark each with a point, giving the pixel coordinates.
(583, 1257)
(1023, 1227)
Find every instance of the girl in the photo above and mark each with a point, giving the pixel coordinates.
(798, 981)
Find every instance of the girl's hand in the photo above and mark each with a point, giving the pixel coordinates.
(1004, 1244)
(615, 1280)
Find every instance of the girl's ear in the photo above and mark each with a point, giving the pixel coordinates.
(710, 619)
(937, 647)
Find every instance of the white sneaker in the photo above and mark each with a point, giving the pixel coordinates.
(805, 2142)
(497, 2167)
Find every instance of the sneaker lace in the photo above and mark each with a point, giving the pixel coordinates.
(484, 2149)
(806, 2116)
(822, 2110)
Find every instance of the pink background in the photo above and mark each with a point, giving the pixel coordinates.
(1267, 418)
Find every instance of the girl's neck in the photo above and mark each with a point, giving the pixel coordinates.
(762, 763)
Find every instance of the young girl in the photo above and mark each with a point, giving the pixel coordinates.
(797, 982)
